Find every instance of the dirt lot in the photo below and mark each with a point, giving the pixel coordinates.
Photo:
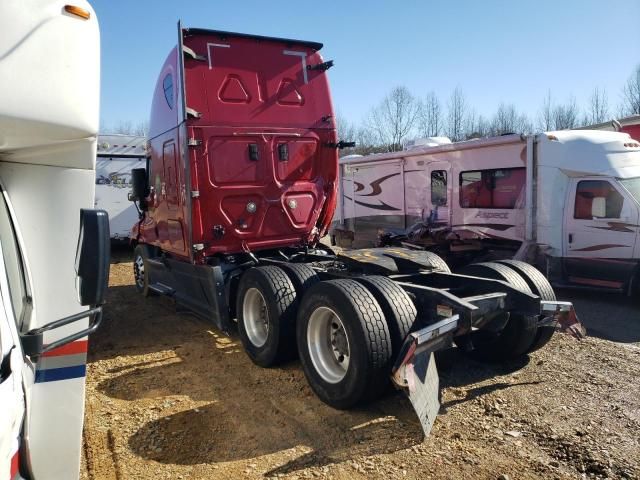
(168, 396)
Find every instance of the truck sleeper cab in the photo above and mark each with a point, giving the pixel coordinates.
(240, 186)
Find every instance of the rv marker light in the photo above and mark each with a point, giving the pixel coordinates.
(77, 11)
(251, 207)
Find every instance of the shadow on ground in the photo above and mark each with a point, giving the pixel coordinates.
(610, 316)
(246, 411)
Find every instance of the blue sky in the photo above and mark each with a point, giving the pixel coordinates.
(496, 51)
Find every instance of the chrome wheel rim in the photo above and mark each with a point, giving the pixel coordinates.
(138, 271)
(255, 317)
(328, 345)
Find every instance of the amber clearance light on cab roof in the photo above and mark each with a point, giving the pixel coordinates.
(77, 11)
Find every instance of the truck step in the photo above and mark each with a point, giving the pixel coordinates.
(162, 289)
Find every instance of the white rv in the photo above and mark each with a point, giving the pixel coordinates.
(117, 156)
(53, 247)
(568, 201)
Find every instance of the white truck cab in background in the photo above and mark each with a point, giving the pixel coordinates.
(54, 253)
(567, 201)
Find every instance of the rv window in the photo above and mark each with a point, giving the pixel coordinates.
(167, 85)
(497, 188)
(587, 191)
(439, 188)
(633, 186)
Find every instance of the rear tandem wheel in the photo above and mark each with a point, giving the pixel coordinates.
(266, 304)
(515, 339)
(343, 343)
(541, 287)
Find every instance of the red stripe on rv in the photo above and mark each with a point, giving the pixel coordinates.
(72, 348)
(13, 473)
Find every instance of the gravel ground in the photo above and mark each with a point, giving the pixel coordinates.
(168, 396)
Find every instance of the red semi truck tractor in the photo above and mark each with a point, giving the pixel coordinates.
(240, 186)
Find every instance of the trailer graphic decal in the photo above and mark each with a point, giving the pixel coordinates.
(594, 248)
(619, 227)
(68, 361)
(494, 226)
(381, 206)
(376, 189)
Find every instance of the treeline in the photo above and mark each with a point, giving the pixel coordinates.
(401, 116)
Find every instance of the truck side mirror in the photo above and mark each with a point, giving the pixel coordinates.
(139, 189)
(598, 207)
(92, 257)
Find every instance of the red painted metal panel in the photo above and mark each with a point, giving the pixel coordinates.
(633, 130)
(260, 159)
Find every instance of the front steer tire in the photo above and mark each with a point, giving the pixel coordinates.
(141, 269)
(361, 321)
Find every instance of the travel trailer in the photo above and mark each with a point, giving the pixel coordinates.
(54, 248)
(566, 201)
(117, 156)
(240, 186)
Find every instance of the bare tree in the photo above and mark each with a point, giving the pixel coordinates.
(545, 115)
(430, 118)
(566, 116)
(394, 118)
(476, 126)
(126, 127)
(631, 94)
(508, 120)
(347, 131)
(456, 112)
(598, 108)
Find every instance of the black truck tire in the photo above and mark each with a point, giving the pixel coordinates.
(343, 343)
(520, 331)
(437, 262)
(302, 276)
(266, 303)
(141, 270)
(541, 287)
(497, 271)
(397, 307)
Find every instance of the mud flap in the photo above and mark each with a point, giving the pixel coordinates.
(415, 369)
(562, 315)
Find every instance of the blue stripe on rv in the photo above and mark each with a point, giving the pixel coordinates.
(64, 373)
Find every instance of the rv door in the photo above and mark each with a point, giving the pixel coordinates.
(438, 193)
(599, 234)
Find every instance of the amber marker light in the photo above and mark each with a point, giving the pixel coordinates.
(77, 11)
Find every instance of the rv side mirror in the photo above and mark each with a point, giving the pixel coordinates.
(92, 257)
(139, 189)
(599, 207)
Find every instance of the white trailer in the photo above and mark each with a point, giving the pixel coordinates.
(567, 201)
(117, 156)
(53, 246)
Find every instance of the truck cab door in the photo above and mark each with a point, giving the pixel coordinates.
(599, 234)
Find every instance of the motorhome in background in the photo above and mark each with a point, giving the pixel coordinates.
(117, 156)
(567, 201)
(630, 125)
(54, 261)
